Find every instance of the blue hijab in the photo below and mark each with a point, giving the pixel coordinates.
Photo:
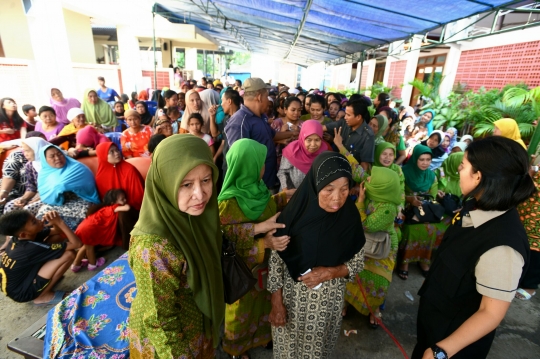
(220, 115)
(453, 140)
(73, 177)
(429, 125)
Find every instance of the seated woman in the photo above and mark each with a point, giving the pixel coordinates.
(115, 173)
(67, 139)
(508, 127)
(13, 181)
(476, 270)
(419, 240)
(30, 200)
(98, 112)
(88, 139)
(12, 126)
(134, 140)
(307, 280)
(163, 125)
(438, 154)
(142, 109)
(65, 186)
(175, 255)
(62, 105)
(300, 154)
(378, 203)
(248, 218)
(48, 124)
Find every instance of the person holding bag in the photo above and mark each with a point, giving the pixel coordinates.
(484, 253)
(419, 239)
(378, 204)
(248, 215)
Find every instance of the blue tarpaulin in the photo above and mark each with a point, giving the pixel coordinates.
(323, 29)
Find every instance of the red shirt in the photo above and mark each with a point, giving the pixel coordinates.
(13, 136)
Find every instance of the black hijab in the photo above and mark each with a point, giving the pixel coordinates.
(437, 151)
(320, 238)
(146, 118)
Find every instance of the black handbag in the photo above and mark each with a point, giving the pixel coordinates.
(429, 212)
(451, 203)
(237, 277)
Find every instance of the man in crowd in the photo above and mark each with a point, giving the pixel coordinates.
(107, 94)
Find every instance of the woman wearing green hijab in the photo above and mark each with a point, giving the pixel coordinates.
(448, 174)
(378, 124)
(248, 217)
(419, 240)
(378, 203)
(175, 255)
(98, 112)
(385, 155)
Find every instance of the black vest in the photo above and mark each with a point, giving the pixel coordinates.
(448, 295)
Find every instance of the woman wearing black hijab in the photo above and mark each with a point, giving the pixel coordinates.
(307, 280)
(142, 109)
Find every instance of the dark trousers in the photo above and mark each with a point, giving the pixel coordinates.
(531, 278)
(126, 222)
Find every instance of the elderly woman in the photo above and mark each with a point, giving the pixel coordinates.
(30, 199)
(65, 186)
(48, 125)
(12, 183)
(378, 124)
(98, 112)
(300, 154)
(378, 203)
(508, 127)
(115, 173)
(134, 140)
(247, 212)
(194, 104)
(62, 105)
(479, 264)
(307, 280)
(175, 255)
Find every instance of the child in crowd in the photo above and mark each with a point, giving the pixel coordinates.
(30, 113)
(119, 110)
(154, 142)
(174, 115)
(134, 140)
(195, 123)
(35, 258)
(99, 229)
(48, 125)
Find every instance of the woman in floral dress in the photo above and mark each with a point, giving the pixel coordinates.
(175, 256)
(247, 212)
(383, 194)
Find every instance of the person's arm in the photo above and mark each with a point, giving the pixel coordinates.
(279, 136)
(25, 199)
(214, 131)
(5, 245)
(126, 152)
(484, 321)
(284, 169)
(6, 188)
(23, 131)
(319, 275)
(219, 152)
(276, 273)
(123, 208)
(59, 226)
(402, 155)
(358, 171)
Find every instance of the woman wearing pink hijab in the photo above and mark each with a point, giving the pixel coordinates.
(88, 139)
(300, 154)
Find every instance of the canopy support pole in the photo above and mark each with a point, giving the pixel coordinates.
(362, 58)
(154, 41)
(300, 28)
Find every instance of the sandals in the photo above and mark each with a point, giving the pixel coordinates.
(523, 294)
(375, 324)
(99, 262)
(75, 269)
(423, 271)
(403, 274)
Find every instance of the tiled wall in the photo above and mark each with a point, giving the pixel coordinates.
(396, 77)
(494, 67)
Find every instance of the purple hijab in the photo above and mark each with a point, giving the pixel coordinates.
(62, 108)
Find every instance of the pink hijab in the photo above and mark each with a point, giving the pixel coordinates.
(89, 137)
(296, 151)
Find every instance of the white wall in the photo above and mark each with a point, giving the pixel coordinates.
(14, 30)
(80, 38)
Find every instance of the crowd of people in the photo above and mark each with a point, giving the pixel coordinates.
(324, 197)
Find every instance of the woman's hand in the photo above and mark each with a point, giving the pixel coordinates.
(289, 192)
(268, 225)
(362, 193)
(278, 314)
(440, 194)
(8, 131)
(316, 276)
(212, 111)
(20, 202)
(338, 140)
(413, 200)
(276, 243)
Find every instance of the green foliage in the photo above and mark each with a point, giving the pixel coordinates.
(378, 88)
(428, 90)
(181, 60)
(523, 115)
(348, 92)
(237, 58)
(517, 96)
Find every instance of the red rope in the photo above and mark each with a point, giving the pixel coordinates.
(379, 321)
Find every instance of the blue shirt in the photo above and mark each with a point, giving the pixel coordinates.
(245, 124)
(107, 96)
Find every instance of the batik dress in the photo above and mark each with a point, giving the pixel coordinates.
(419, 240)
(377, 274)
(246, 320)
(164, 321)
(313, 315)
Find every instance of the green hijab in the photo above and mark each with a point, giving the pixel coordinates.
(383, 186)
(383, 125)
(197, 237)
(451, 175)
(100, 113)
(416, 179)
(379, 149)
(243, 180)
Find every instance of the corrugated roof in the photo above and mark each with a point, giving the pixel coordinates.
(306, 31)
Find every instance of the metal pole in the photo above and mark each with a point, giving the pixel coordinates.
(213, 64)
(154, 41)
(361, 70)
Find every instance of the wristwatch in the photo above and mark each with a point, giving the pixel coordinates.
(438, 353)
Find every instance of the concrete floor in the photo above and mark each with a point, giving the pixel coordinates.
(517, 337)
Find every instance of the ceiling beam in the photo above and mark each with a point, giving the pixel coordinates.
(300, 28)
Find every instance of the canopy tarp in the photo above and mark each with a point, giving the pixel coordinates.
(307, 31)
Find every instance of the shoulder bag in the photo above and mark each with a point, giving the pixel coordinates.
(377, 245)
(237, 277)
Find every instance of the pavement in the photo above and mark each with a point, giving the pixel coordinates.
(517, 337)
